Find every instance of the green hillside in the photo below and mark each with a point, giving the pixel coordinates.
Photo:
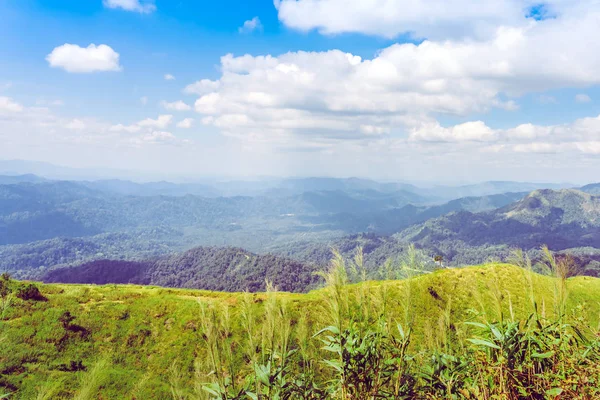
(208, 268)
(145, 342)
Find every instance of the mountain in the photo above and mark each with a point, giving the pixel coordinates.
(593, 188)
(53, 171)
(209, 268)
(64, 223)
(129, 188)
(27, 178)
(52, 224)
(561, 219)
(394, 219)
(446, 193)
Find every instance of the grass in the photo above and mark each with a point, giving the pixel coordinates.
(150, 342)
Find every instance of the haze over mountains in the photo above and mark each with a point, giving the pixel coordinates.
(47, 224)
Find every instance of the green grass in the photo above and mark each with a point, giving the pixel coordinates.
(150, 342)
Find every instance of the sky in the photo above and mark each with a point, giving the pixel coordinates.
(407, 90)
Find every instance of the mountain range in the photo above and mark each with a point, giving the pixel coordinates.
(50, 224)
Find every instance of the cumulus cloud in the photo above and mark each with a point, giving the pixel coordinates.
(125, 128)
(9, 105)
(579, 136)
(154, 137)
(75, 59)
(176, 106)
(565, 150)
(582, 98)
(251, 25)
(185, 123)
(169, 77)
(466, 132)
(39, 132)
(160, 123)
(423, 19)
(591, 147)
(201, 87)
(330, 95)
(131, 5)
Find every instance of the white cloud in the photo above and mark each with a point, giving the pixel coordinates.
(125, 128)
(571, 151)
(75, 59)
(9, 105)
(374, 130)
(185, 123)
(591, 147)
(160, 123)
(582, 98)
(251, 25)
(144, 100)
(579, 136)
(169, 77)
(424, 19)
(542, 148)
(39, 133)
(201, 87)
(154, 137)
(309, 97)
(176, 106)
(131, 5)
(466, 132)
(76, 125)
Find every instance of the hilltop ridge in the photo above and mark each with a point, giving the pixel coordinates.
(561, 219)
(142, 331)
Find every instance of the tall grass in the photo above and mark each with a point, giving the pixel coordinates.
(91, 380)
(363, 352)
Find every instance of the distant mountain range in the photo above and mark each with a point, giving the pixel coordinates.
(48, 224)
(17, 171)
(560, 219)
(593, 188)
(564, 220)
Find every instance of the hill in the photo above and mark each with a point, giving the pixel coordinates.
(31, 212)
(593, 188)
(561, 219)
(446, 193)
(146, 342)
(208, 268)
(53, 224)
(12, 179)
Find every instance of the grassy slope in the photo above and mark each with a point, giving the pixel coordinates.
(141, 332)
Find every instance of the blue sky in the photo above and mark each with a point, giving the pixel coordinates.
(372, 88)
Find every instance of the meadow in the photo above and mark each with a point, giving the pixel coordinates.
(495, 331)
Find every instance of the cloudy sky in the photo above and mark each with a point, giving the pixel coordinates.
(432, 90)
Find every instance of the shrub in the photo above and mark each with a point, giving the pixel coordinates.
(30, 292)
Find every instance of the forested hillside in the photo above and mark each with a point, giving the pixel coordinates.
(593, 188)
(564, 219)
(207, 268)
(47, 224)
